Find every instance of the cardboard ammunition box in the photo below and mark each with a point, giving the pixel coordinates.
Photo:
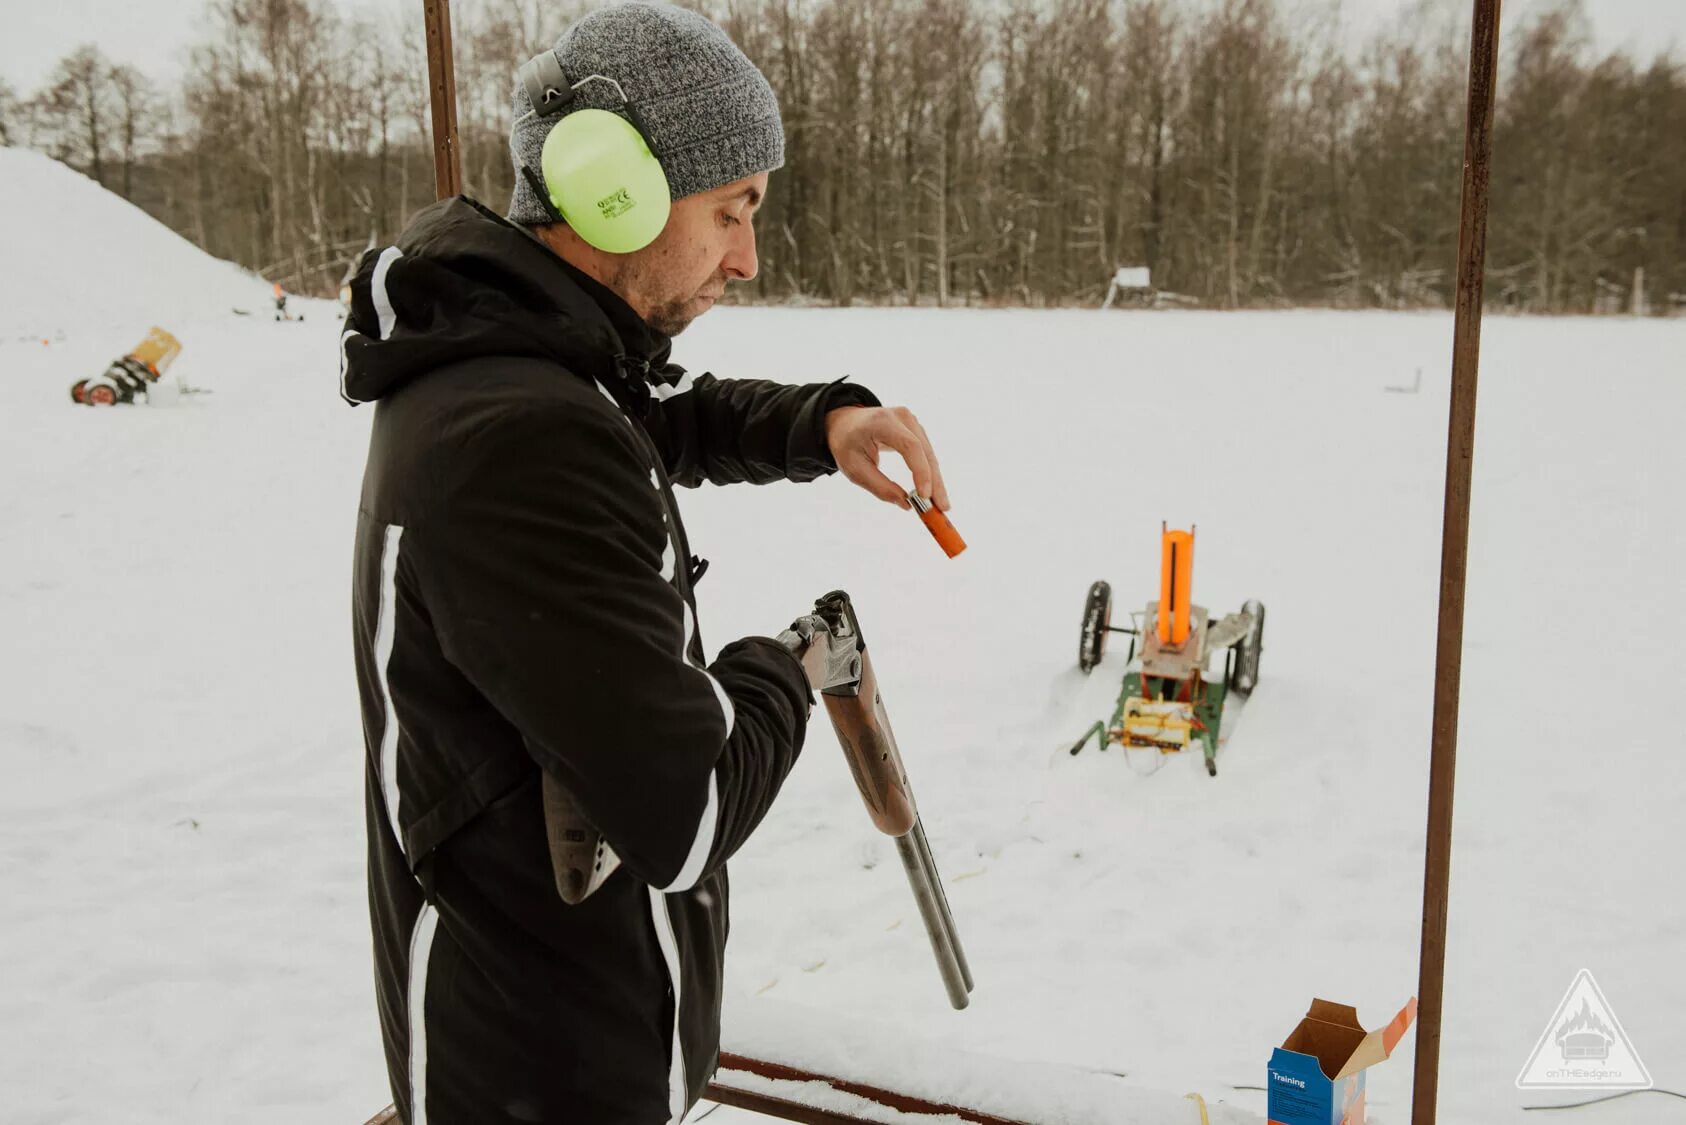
(1317, 1075)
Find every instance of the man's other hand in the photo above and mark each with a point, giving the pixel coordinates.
(856, 435)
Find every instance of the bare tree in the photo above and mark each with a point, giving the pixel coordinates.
(1558, 205)
(10, 114)
(1150, 98)
(76, 108)
(133, 99)
(962, 150)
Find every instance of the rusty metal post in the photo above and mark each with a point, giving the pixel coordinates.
(1454, 551)
(442, 83)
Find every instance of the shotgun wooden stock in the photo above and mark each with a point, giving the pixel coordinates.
(870, 746)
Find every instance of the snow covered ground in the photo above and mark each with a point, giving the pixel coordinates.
(181, 852)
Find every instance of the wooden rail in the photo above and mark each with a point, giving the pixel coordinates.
(725, 1091)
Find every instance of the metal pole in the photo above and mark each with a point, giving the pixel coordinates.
(442, 83)
(1454, 551)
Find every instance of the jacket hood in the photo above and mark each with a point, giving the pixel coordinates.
(463, 282)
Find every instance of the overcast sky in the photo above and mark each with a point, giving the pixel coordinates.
(35, 34)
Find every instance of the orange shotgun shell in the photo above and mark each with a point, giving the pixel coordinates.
(941, 530)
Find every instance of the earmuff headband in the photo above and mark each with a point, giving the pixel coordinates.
(547, 85)
(550, 91)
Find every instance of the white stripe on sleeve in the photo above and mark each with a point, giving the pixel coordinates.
(704, 842)
(727, 711)
(377, 291)
(345, 365)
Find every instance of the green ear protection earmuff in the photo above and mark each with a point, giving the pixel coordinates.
(599, 174)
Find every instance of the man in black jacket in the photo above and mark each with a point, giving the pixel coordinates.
(524, 617)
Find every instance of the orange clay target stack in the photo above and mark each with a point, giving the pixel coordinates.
(1168, 701)
(127, 378)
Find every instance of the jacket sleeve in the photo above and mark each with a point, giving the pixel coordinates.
(547, 569)
(730, 430)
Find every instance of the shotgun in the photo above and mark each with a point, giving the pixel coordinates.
(849, 687)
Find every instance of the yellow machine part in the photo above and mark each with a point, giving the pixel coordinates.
(158, 350)
(1176, 581)
(1165, 723)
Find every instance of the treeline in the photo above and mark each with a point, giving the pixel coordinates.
(951, 151)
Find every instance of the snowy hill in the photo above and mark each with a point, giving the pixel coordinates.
(74, 254)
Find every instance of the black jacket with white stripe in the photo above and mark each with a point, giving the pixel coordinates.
(522, 602)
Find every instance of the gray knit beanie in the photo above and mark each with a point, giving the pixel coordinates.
(710, 115)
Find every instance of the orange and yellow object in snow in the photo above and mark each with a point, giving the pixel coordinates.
(1176, 577)
(937, 524)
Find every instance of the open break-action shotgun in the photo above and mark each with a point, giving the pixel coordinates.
(834, 652)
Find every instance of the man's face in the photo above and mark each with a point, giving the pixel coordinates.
(709, 240)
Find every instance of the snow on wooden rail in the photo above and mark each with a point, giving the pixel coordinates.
(841, 1051)
(793, 1094)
